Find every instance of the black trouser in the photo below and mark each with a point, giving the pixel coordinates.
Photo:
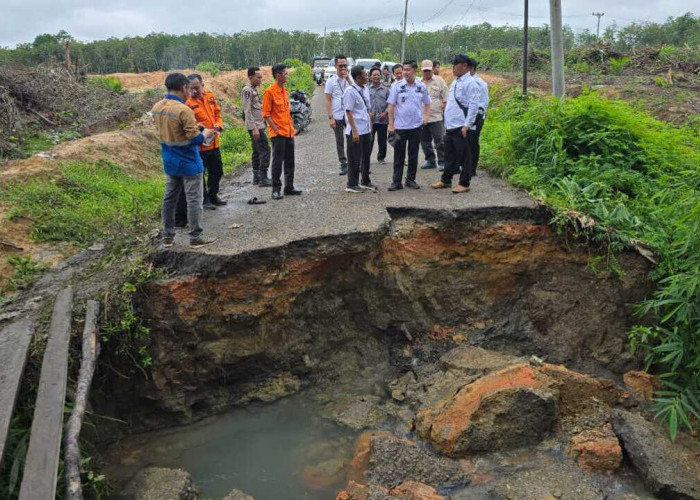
(412, 137)
(339, 142)
(261, 155)
(282, 153)
(473, 137)
(457, 155)
(379, 129)
(214, 168)
(358, 159)
(433, 131)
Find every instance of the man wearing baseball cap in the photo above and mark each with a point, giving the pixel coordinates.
(460, 112)
(433, 130)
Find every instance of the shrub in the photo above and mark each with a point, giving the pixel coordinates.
(660, 81)
(108, 83)
(210, 67)
(616, 64)
(235, 147)
(292, 63)
(639, 179)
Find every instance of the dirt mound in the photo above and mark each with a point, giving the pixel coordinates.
(223, 85)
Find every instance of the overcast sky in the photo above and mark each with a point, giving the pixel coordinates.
(22, 20)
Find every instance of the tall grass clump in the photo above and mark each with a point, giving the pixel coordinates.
(638, 179)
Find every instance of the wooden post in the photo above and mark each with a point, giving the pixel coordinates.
(91, 350)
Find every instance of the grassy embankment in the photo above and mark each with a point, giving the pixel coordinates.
(615, 175)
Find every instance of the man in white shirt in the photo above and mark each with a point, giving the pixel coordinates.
(409, 109)
(356, 100)
(475, 133)
(460, 114)
(335, 87)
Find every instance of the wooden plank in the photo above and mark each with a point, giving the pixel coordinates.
(41, 465)
(14, 343)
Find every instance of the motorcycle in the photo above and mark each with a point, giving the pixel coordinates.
(300, 107)
(318, 77)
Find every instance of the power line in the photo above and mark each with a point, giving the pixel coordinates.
(439, 12)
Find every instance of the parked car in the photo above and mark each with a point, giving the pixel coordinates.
(367, 63)
(388, 64)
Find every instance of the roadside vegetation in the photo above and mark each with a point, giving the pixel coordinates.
(614, 175)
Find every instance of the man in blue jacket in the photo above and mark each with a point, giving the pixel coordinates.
(180, 138)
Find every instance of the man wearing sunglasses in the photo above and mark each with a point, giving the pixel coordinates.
(335, 107)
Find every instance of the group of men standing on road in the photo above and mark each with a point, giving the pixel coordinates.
(360, 106)
(410, 114)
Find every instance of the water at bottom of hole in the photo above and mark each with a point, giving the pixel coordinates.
(279, 450)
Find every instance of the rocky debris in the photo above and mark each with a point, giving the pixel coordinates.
(393, 460)
(238, 495)
(368, 411)
(672, 470)
(580, 393)
(272, 389)
(156, 483)
(413, 490)
(409, 490)
(597, 449)
(475, 360)
(507, 408)
(357, 491)
(641, 384)
(360, 461)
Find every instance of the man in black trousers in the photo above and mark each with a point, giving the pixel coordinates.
(254, 122)
(359, 118)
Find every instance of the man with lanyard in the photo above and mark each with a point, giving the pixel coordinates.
(275, 111)
(335, 87)
(359, 118)
(254, 122)
(409, 109)
(460, 112)
(475, 132)
(208, 115)
(180, 139)
(378, 95)
(433, 131)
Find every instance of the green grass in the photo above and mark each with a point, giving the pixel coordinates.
(639, 180)
(235, 148)
(84, 202)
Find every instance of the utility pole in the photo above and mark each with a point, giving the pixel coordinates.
(403, 34)
(597, 30)
(557, 40)
(323, 52)
(525, 50)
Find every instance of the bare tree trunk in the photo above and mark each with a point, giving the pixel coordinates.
(66, 55)
(91, 350)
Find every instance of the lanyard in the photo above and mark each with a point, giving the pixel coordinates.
(363, 98)
(342, 90)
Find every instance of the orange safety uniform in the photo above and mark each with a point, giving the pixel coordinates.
(276, 107)
(207, 112)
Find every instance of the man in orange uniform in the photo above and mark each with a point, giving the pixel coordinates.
(208, 114)
(275, 111)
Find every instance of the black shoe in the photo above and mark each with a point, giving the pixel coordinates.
(265, 182)
(208, 206)
(395, 186)
(292, 192)
(200, 241)
(411, 184)
(219, 202)
(276, 195)
(343, 171)
(167, 241)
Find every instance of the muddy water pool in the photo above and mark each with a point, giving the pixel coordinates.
(280, 450)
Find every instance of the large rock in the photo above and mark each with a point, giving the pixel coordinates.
(642, 384)
(475, 360)
(672, 470)
(597, 449)
(579, 393)
(508, 408)
(394, 460)
(157, 483)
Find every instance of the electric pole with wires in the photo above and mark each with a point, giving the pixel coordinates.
(403, 34)
(597, 30)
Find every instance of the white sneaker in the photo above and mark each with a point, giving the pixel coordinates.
(368, 187)
(353, 189)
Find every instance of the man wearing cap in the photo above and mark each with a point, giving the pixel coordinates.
(475, 133)
(335, 107)
(460, 112)
(433, 131)
(409, 109)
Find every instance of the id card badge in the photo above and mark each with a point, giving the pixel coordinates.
(403, 99)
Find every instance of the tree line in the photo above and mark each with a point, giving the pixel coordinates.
(160, 51)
